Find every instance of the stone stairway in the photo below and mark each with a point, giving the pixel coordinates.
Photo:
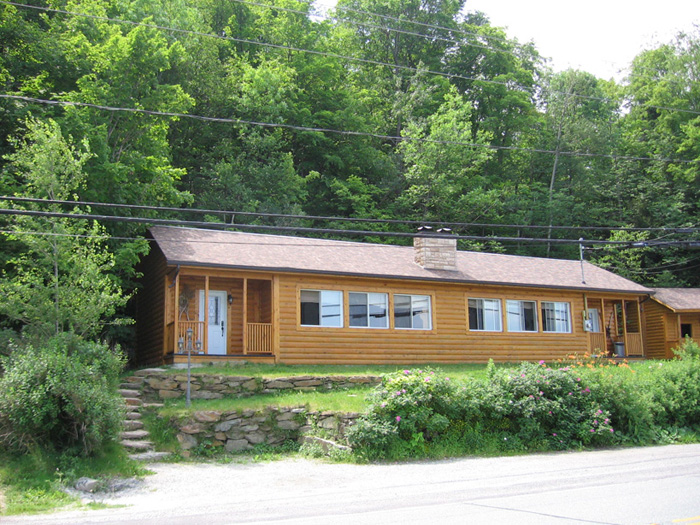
(134, 438)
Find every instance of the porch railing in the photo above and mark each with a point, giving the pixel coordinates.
(597, 343)
(197, 334)
(634, 344)
(259, 338)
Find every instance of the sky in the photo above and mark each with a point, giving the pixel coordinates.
(598, 36)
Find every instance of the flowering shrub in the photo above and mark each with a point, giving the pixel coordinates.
(549, 408)
(409, 409)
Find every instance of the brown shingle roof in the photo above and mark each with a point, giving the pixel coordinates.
(679, 299)
(196, 247)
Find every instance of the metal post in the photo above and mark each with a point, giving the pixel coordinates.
(580, 253)
(189, 353)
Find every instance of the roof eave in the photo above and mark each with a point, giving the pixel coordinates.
(173, 262)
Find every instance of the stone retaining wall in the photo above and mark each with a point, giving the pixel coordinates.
(160, 385)
(236, 431)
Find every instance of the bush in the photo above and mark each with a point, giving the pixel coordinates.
(61, 397)
(408, 410)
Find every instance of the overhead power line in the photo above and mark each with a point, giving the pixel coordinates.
(343, 132)
(305, 230)
(508, 85)
(233, 213)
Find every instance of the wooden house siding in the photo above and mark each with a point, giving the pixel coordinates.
(151, 309)
(450, 339)
(656, 318)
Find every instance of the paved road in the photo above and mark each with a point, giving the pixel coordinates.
(633, 486)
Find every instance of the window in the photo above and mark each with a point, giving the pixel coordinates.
(556, 317)
(593, 322)
(522, 316)
(686, 330)
(412, 311)
(485, 314)
(321, 308)
(368, 310)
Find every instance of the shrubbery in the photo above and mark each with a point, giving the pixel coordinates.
(62, 396)
(533, 407)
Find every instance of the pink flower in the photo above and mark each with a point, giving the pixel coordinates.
(542, 363)
(398, 418)
(406, 372)
(554, 434)
(593, 430)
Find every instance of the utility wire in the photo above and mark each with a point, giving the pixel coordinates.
(509, 85)
(668, 230)
(295, 229)
(342, 132)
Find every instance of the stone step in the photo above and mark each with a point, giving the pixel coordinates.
(134, 434)
(137, 444)
(148, 371)
(152, 405)
(133, 401)
(132, 414)
(129, 393)
(134, 380)
(129, 386)
(150, 456)
(132, 424)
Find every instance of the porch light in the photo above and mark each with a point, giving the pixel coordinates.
(198, 346)
(180, 345)
(230, 299)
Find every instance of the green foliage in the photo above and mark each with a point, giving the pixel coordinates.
(61, 396)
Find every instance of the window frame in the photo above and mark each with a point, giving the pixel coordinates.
(411, 316)
(499, 316)
(536, 329)
(569, 320)
(368, 303)
(340, 305)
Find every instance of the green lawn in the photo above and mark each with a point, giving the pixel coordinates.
(457, 371)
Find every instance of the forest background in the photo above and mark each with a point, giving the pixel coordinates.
(405, 111)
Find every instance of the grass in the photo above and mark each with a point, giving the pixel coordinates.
(32, 483)
(457, 371)
(351, 400)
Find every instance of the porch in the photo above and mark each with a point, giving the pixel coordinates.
(219, 318)
(614, 327)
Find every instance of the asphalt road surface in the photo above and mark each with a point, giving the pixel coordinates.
(631, 486)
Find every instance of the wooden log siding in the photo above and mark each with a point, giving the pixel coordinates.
(450, 339)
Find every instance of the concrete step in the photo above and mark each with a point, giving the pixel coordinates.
(134, 434)
(133, 401)
(133, 415)
(129, 393)
(133, 444)
(149, 456)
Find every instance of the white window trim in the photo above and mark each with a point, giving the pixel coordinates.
(518, 331)
(320, 313)
(430, 311)
(499, 316)
(556, 322)
(367, 303)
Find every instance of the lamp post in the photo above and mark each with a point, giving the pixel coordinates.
(189, 353)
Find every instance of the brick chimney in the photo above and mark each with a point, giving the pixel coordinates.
(435, 250)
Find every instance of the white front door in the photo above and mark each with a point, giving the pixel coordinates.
(216, 331)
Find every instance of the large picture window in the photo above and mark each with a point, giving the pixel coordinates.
(368, 310)
(556, 317)
(412, 312)
(321, 308)
(522, 316)
(485, 315)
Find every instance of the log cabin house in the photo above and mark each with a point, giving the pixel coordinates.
(671, 315)
(228, 295)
